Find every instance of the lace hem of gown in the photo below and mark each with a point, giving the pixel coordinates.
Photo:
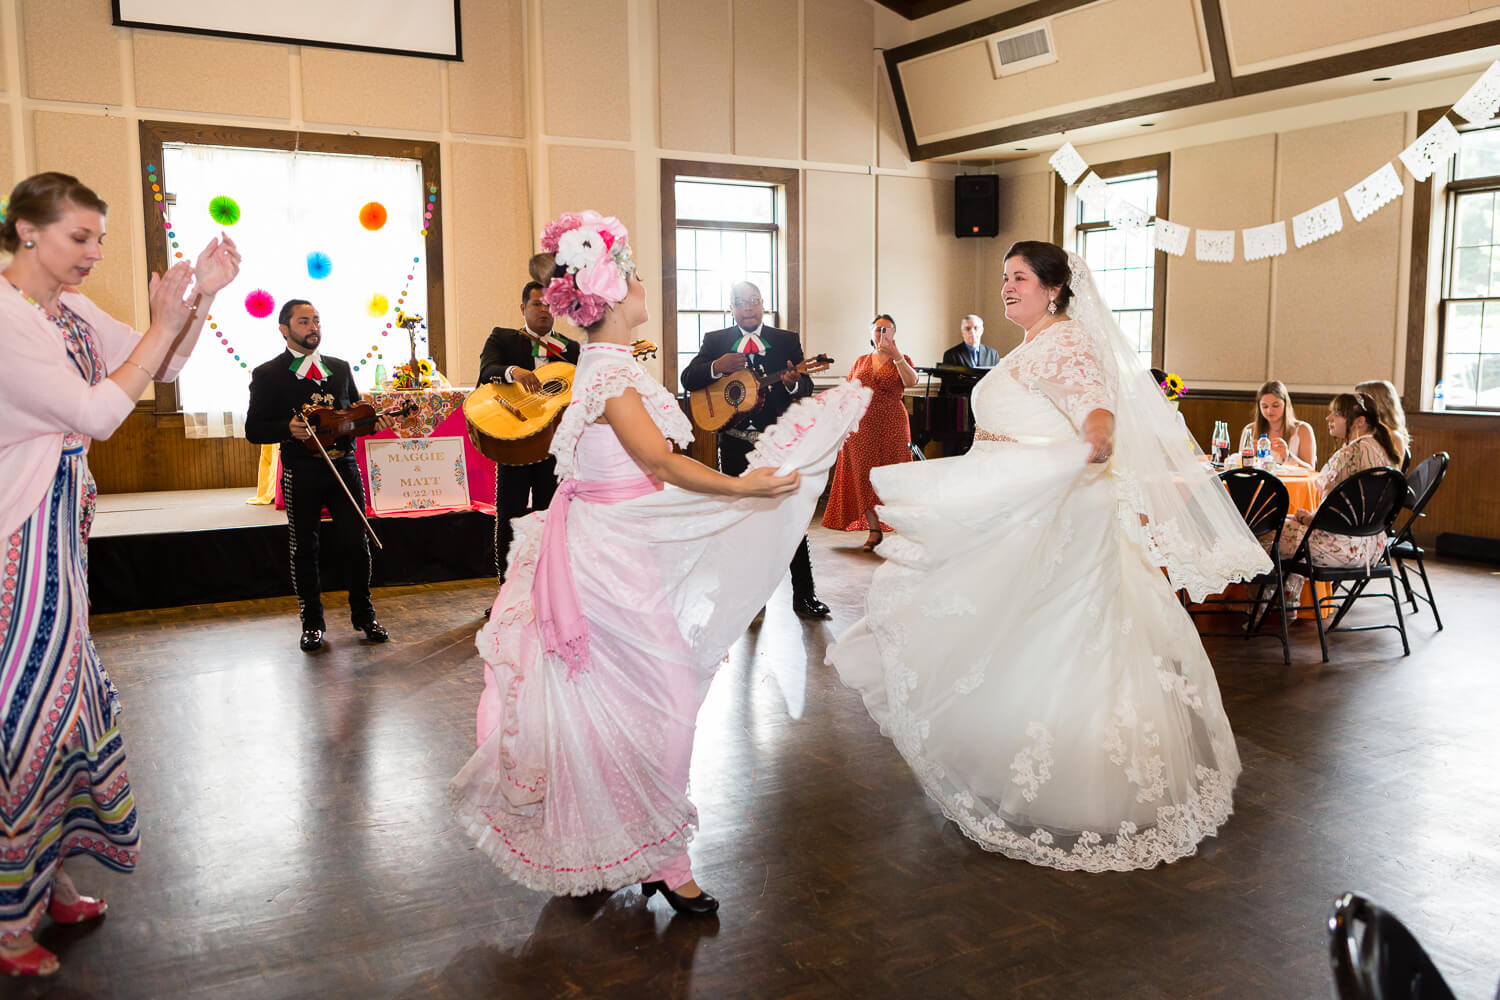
(846, 401)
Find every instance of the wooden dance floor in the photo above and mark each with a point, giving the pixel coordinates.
(297, 840)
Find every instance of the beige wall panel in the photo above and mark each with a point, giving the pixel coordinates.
(696, 75)
(956, 89)
(838, 264)
(87, 68)
(767, 65)
(370, 88)
(586, 68)
(1335, 310)
(1218, 314)
(1257, 30)
(1025, 214)
(604, 180)
(487, 91)
(891, 148)
(840, 92)
(9, 167)
(491, 243)
(220, 75)
(924, 274)
(95, 151)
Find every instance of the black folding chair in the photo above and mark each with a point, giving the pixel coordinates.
(1262, 501)
(1422, 483)
(1375, 957)
(1363, 505)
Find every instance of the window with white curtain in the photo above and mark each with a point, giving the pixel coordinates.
(293, 204)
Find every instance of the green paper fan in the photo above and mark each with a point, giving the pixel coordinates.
(225, 210)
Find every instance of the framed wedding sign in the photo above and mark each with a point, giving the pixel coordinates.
(427, 473)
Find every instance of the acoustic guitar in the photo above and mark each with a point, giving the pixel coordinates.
(714, 406)
(511, 426)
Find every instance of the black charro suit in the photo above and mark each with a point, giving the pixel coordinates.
(307, 484)
(518, 488)
(735, 444)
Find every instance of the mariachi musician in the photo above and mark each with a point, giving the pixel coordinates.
(310, 479)
(512, 356)
(727, 351)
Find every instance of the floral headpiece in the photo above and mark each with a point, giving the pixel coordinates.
(594, 265)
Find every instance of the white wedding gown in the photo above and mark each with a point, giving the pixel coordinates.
(1024, 653)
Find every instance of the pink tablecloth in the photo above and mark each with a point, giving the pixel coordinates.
(438, 413)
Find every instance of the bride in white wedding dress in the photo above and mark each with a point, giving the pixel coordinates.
(1022, 646)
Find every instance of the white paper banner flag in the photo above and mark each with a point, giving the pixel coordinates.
(1068, 164)
(1265, 241)
(1171, 238)
(1316, 223)
(1124, 215)
(1094, 192)
(1374, 192)
(1216, 245)
(1431, 149)
(1481, 101)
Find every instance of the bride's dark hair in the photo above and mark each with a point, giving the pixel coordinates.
(1049, 263)
(1350, 405)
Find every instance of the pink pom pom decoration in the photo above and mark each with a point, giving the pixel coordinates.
(259, 303)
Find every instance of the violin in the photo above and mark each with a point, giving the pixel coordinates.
(328, 425)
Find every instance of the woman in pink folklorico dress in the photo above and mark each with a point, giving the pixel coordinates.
(617, 608)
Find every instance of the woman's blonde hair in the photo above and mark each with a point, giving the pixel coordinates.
(1387, 404)
(1276, 388)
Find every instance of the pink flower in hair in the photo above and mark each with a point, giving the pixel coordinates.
(561, 296)
(554, 229)
(603, 278)
(588, 310)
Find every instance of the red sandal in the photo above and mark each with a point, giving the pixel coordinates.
(36, 962)
(82, 909)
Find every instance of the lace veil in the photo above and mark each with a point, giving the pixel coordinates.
(1191, 528)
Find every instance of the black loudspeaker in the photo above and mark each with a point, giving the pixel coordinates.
(976, 205)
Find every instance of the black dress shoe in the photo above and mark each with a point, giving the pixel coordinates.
(808, 606)
(375, 632)
(312, 640)
(701, 905)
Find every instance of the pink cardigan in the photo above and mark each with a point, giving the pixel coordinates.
(42, 396)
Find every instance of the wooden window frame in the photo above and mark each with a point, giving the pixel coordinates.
(1161, 163)
(158, 258)
(790, 182)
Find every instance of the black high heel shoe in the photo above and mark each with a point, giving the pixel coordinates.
(701, 905)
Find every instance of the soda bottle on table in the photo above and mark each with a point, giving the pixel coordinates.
(1220, 443)
(1263, 452)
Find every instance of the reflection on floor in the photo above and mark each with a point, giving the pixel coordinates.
(297, 841)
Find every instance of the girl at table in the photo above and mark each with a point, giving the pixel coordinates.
(1353, 419)
(1388, 406)
(1292, 441)
(618, 605)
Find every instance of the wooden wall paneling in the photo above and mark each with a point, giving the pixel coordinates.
(149, 452)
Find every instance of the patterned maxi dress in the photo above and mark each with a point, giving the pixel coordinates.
(63, 786)
(1362, 453)
(883, 438)
(579, 782)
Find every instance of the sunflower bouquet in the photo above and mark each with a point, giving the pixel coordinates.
(404, 377)
(1173, 387)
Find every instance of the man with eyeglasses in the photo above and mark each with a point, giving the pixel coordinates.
(727, 351)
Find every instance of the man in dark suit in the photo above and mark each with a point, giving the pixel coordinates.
(727, 351)
(278, 390)
(512, 356)
(972, 353)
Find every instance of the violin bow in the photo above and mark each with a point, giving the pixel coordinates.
(312, 434)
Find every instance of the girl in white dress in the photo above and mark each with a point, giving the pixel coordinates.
(620, 602)
(1022, 646)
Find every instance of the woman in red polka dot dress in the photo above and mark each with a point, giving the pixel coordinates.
(883, 438)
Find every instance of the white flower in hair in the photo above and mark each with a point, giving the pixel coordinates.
(580, 248)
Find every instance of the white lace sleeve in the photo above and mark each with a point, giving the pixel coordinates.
(602, 382)
(1065, 365)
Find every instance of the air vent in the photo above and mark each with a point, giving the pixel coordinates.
(1021, 51)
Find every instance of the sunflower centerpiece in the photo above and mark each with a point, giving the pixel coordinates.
(417, 373)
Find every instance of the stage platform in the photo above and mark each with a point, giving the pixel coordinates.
(171, 548)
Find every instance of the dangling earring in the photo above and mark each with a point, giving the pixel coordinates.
(1052, 307)
(29, 244)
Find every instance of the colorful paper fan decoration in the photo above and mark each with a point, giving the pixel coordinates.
(319, 265)
(224, 210)
(259, 303)
(372, 216)
(379, 305)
